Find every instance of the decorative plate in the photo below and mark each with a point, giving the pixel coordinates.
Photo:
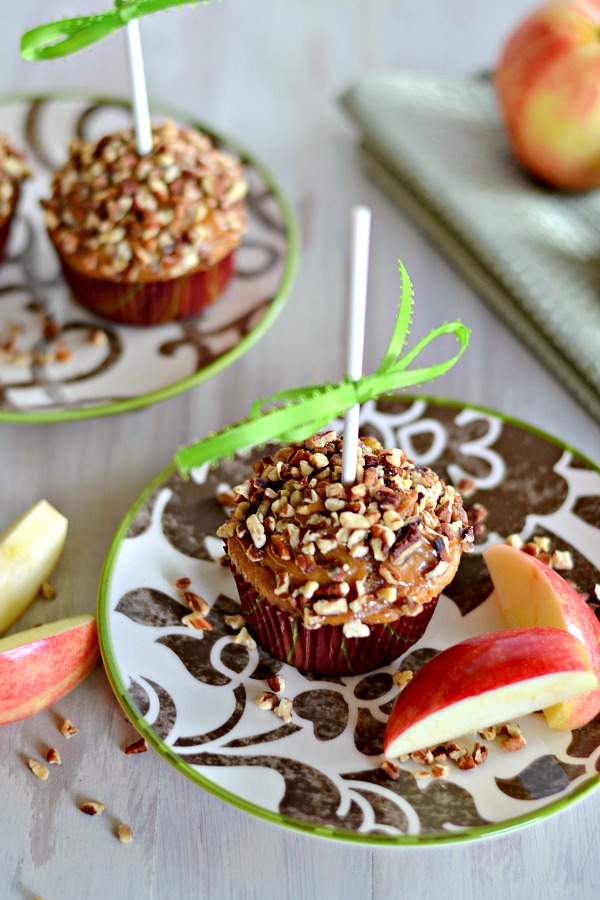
(193, 694)
(110, 368)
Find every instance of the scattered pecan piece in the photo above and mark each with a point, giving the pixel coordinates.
(439, 771)
(47, 591)
(137, 747)
(480, 752)
(391, 769)
(267, 700)
(92, 808)
(196, 603)
(284, 709)
(197, 621)
(244, 638)
(68, 729)
(235, 622)
(53, 757)
(125, 834)
(511, 744)
(183, 583)
(402, 677)
(39, 769)
(276, 683)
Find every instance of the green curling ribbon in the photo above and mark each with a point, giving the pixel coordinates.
(69, 35)
(304, 410)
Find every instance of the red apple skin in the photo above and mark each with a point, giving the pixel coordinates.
(480, 664)
(526, 588)
(36, 675)
(547, 84)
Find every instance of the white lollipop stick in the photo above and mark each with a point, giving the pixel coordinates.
(359, 268)
(141, 112)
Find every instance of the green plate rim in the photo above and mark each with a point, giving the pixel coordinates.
(275, 306)
(371, 840)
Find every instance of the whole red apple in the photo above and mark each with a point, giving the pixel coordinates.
(548, 87)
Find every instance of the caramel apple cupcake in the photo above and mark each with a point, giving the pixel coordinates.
(147, 239)
(13, 170)
(338, 579)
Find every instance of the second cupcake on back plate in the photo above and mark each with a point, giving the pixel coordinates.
(147, 239)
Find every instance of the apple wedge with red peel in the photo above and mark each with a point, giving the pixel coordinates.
(531, 593)
(41, 665)
(29, 550)
(485, 680)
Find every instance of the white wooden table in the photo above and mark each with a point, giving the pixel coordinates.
(268, 72)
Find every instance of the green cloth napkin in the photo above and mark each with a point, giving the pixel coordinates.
(436, 148)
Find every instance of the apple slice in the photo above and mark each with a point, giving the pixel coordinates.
(29, 551)
(531, 593)
(485, 680)
(42, 664)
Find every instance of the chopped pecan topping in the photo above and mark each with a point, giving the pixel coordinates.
(166, 213)
(371, 552)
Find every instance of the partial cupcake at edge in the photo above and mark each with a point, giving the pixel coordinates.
(147, 239)
(338, 579)
(13, 171)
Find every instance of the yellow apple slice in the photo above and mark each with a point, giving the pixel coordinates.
(531, 593)
(40, 665)
(485, 680)
(29, 551)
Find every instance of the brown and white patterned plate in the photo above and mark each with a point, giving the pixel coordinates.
(113, 368)
(192, 694)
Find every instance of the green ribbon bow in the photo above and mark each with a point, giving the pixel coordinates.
(69, 35)
(306, 409)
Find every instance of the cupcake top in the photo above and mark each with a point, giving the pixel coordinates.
(117, 215)
(366, 553)
(13, 169)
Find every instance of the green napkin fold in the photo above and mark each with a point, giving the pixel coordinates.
(436, 148)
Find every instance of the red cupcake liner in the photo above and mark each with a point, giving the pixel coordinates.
(150, 302)
(325, 650)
